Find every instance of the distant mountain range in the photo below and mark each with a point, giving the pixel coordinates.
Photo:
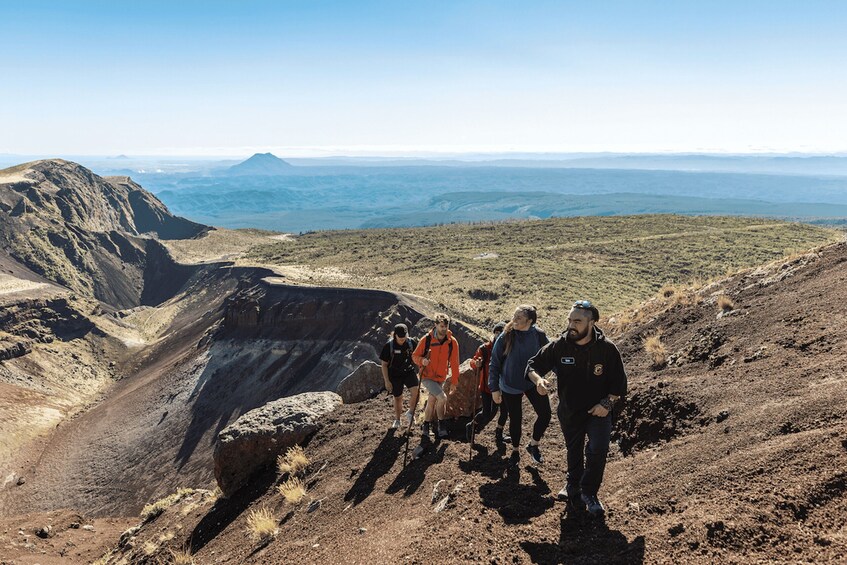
(317, 198)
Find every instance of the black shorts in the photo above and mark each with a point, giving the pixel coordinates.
(409, 380)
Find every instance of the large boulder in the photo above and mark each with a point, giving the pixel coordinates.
(464, 395)
(363, 383)
(255, 439)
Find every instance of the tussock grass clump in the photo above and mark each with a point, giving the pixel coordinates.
(261, 525)
(293, 461)
(180, 557)
(293, 490)
(656, 350)
(668, 290)
(725, 303)
(152, 511)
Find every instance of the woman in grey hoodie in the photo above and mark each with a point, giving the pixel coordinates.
(507, 380)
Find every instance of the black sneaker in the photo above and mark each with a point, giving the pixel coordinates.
(535, 453)
(593, 504)
(500, 437)
(442, 429)
(425, 429)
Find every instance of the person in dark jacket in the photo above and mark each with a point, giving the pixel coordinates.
(520, 340)
(591, 378)
(399, 371)
(480, 363)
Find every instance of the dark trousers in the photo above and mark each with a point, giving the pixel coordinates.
(514, 404)
(585, 470)
(489, 409)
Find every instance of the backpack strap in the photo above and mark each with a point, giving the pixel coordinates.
(393, 342)
(428, 344)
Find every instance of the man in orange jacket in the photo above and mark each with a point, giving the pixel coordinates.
(437, 354)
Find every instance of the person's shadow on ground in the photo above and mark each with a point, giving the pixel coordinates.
(585, 539)
(488, 463)
(413, 474)
(381, 462)
(517, 503)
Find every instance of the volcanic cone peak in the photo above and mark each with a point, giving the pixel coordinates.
(260, 164)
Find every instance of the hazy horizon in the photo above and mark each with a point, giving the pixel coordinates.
(376, 78)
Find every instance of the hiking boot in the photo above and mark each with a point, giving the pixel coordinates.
(409, 417)
(500, 437)
(535, 453)
(425, 429)
(395, 424)
(442, 429)
(593, 504)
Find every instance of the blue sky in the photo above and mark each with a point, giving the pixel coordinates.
(313, 77)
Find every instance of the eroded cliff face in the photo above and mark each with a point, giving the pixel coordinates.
(93, 235)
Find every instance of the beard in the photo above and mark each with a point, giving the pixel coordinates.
(573, 335)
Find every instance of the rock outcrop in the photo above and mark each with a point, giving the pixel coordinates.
(27, 321)
(363, 383)
(462, 397)
(254, 440)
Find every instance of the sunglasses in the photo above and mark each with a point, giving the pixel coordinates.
(584, 304)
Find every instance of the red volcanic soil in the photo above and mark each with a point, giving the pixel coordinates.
(734, 452)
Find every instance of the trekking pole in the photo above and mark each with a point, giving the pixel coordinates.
(477, 372)
(409, 432)
(414, 409)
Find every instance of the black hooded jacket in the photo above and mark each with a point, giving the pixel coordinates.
(585, 373)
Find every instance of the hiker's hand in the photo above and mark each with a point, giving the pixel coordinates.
(497, 397)
(388, 387)
(599, 411)
(541, 386)
(424, 362)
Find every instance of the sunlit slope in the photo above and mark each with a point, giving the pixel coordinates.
(484, 270)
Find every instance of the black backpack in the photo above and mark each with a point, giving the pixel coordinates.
(394, 347)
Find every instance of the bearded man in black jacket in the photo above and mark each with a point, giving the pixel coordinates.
(591, 379)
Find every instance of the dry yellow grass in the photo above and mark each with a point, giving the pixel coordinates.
(617, 262)
(293, 490)
(261, 525)
(293, 461)
(667, 290)
(180, 557)
(656, 349)
(153, 510)
(725, 303)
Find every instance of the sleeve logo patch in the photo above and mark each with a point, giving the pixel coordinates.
(568, 361)
(598, 370)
